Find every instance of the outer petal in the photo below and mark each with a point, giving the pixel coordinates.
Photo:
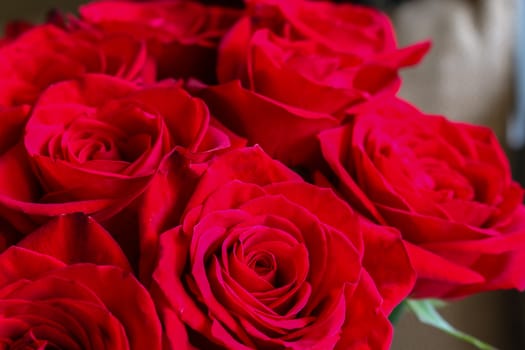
(366, 326)
(231, 63)
(335, 149)
(170, 296)
(76, 238)
(163, 204)
(20, 263)
(268, 123)
(232, 166)
(134, 308)
(281, 82)
(396, 282)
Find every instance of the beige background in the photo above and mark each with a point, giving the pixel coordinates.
(468, 76)
(440, 85)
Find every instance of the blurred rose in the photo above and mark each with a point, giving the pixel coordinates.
(47, 54)
(301, 66)
(446, 186)
(181, 35)
(68, 286)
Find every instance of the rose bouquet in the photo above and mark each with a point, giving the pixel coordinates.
(181, 175)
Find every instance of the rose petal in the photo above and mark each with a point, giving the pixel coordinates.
(76, 238)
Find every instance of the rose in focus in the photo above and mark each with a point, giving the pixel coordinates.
(32, 58)
(262, 259)
(92, 144)
(446, 186)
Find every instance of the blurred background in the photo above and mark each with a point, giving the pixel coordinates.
(471, 74)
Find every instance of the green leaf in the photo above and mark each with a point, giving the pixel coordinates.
(425, 311)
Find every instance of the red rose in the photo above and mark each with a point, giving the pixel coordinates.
(357, 32)
(91, 145)
(47, 54)
(262, 259)
(13, 29)
(446, 186)
(181, 35)
(33, 58)
(68, 286)
(303, 64)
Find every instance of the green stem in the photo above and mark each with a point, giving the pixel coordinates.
(397, 313)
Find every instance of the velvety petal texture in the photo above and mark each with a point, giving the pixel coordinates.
(446, 186)
(262, 259)
(92, 145)
(285, 132)
(31, 59)
(184, 174)
(84, 148)
(71, 295)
